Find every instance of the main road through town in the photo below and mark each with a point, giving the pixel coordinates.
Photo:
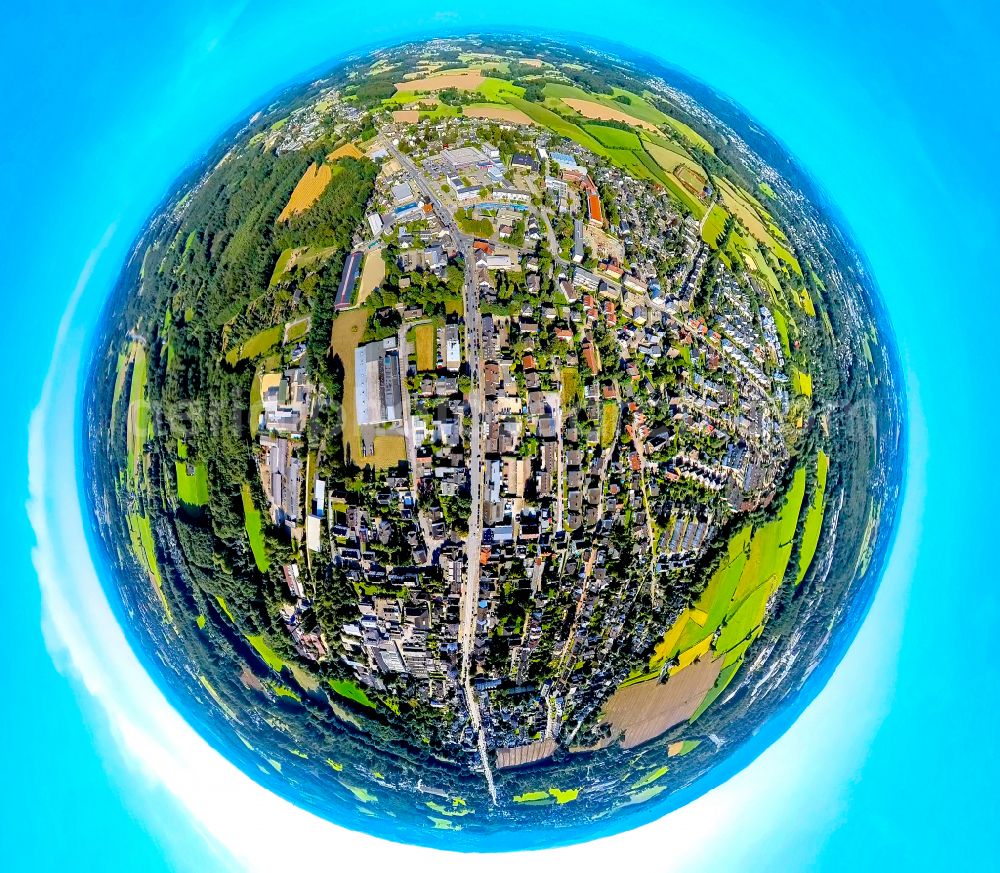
(473, 333)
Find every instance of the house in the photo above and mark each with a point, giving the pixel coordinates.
(511, 195)
(586, 280)
(635, 284)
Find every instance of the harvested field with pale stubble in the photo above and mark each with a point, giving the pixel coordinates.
(467, 80)
(308, 190)
(497, 113)
(347, 150)
(646, 710)
(590, 109)
(372, 274)
(406, 116)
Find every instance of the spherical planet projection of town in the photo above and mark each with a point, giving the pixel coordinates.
(488, 440)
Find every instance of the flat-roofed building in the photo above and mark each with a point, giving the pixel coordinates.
(378, 393)
(467, 156)
(314, 541)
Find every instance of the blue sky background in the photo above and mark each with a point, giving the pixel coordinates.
(891, 106)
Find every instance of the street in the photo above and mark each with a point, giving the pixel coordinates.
(473, 332)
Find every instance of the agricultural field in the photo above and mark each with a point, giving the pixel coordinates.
(692, 179)
(805, 301)
(781, 325)
(351, 691)
(556, 123)
(497, 90)
(308, 190)
(637, 111)
(348, 330)
(614, 137)
(305, 256)
(441, 110)
(425, 340)
(497, 113)
(753, 215)
(255, 530)
(813, 523)
(732, 604)
(192, 482)
(255, 346)
(609, 423)
(690, 134)
(682, 747)
(281, 265)
(141, 539)
(372, 274)
(669, 155)
(711, 230)
(267, 654)
(464, 80)
(347, 150)
(802, 383)
(137, 419)
(601, 112)
(644, 711)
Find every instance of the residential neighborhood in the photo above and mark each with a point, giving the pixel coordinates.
(581, 417)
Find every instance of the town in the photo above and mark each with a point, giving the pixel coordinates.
(564, 398)
(487, 434)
